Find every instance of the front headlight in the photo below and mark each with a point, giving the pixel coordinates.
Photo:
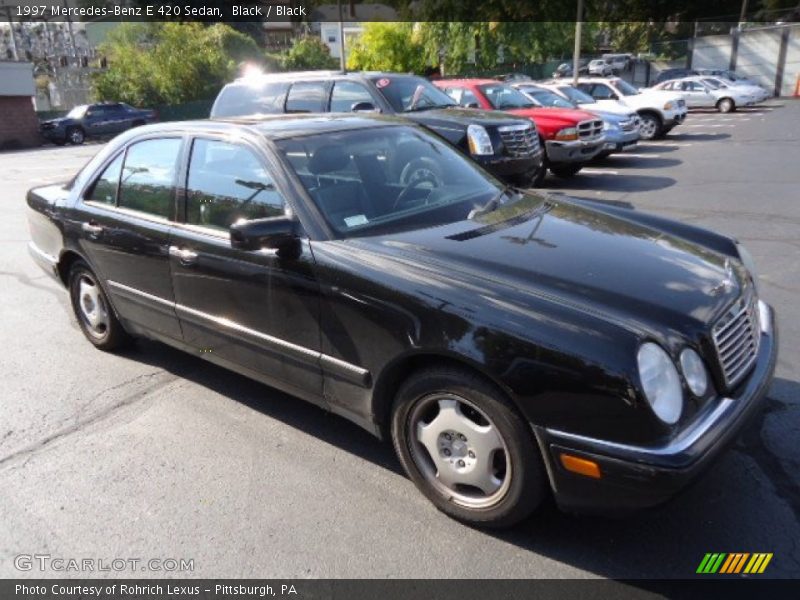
(480, 144)
(567, 134)
(694, 371)
(749, 264)
(660, 382)
(669, 105)
(609, 126)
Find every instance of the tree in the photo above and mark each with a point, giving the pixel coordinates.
(308, 53)
(390, 47)
(170, 63)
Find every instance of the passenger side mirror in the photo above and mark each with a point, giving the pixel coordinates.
(277, 233)
(364, 107)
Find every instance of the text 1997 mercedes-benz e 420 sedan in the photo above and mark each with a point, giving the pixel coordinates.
(510, 344)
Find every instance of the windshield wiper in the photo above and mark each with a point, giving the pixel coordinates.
(492, 204)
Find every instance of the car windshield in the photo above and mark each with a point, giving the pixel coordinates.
(546, 98)
(625, 88)
(409, 94)
(77, 112)
(503, 97)
(389, 179)
(576, 96)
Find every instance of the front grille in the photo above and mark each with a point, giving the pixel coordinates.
(519, 140)
(736, 337)
(590, 130)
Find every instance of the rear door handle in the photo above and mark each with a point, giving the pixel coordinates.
(92, 228)
(186, 257)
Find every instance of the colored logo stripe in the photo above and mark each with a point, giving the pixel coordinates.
(721, 562)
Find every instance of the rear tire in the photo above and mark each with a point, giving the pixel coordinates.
(565, 171)
(93, 311)
(466, 448)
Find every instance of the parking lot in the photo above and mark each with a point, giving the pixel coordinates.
(157, 454)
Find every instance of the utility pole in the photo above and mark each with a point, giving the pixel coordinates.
(743, 14)
(14, 52)
(576, 55)
(342, 61)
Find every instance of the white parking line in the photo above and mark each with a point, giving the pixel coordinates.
(599, 172)
(633, 155)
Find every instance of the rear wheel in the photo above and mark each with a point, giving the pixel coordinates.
(726, 105)
(466, 448)
(94, 313)
(649, 126)
(565, 171)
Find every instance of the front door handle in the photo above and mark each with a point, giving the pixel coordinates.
(186, 257)
(92, 228)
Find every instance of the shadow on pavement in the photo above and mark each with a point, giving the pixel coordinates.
(635, 162)
(623, 182)
(696, 137)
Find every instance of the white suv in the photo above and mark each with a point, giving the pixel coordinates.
(659, 111)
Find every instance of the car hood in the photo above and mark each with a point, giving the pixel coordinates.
(553, 116)
(608, 107)
(573, 255)
(58, 121)
(461, 116)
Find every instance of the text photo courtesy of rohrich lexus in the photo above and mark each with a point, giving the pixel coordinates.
(358, 283)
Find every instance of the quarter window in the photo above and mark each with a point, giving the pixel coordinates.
(148, 177)
(306, 97)
(346, 94)
(226, 183)
(105, 188)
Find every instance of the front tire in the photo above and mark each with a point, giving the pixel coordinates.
(93, 311)
(466, 448)
(650, 126)
(726, 105)
(76, 136)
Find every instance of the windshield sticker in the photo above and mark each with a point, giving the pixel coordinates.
(356, 220)
(382, 83)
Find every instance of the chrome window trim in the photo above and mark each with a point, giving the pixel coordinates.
(327, 362)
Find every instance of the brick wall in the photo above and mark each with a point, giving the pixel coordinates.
(19, 127)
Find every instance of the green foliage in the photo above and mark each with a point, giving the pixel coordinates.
(170, 63)
(388, 47)
(308, 53)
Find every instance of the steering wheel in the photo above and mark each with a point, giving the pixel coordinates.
(416, 173)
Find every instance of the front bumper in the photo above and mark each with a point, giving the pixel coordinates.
(577, 151)
(53, 134)
(48, 263)
(674, 117)
(506, 167)
(618, 140)
(634, 477)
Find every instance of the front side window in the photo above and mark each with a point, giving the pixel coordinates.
(547, 98)
(306, 97)
(250, 98)
(148, 176)
(503, 97)
(383, 179)
(625, 88)
(577, 96)
(228, 182)
(104, 189)
(408, 94)
(599, 91)
(346, 94)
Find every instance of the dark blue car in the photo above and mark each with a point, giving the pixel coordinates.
(94, 120)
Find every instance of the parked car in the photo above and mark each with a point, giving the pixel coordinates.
(506, 146)
(669, 74)
(571, 138)
(699, 93)
(619, 62)
(760, 93)
(659, 111)
(600, 67)
(729, 76)
(620, 123)
(565, 69)
(95, 120)
(511, 344)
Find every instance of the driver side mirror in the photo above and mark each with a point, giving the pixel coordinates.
(277, 233)
(364, 107)
(614, 96)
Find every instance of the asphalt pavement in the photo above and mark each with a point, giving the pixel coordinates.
(155, 454)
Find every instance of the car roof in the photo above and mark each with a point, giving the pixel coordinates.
(471, 81)
(317, 75)
(276, 127)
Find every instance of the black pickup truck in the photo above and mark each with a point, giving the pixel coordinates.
(95, 120)
(506, 146)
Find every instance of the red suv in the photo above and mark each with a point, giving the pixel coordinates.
(571, 137)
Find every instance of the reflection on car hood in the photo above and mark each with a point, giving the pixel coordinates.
(462, 116)
(577, 256)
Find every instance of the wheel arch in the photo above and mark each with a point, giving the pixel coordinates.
(392, 376)
(65, 262)
(651, 112)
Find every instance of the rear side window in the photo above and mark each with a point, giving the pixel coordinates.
(148, 176)
(346, 94)
(105, 188)
(228, 182)
(306, 97)
(261, 99)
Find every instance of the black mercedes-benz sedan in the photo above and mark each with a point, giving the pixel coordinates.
(511, 344)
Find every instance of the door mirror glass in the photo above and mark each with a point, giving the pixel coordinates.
(279, 233)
